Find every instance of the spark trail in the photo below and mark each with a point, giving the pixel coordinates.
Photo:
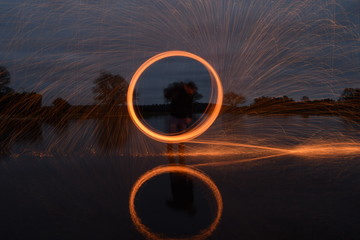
(267, 48)
(246, 152)
(259, 48)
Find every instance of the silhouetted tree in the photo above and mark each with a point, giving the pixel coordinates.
(233, 99)
(350, 95)
(4, 80)
(173, 88)
(285, 99)
(110, 89)
(61, 104)
(59, 113)
(265, 100)
(305, 99)
(4, 76)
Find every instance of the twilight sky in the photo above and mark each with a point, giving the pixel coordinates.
(259, 48)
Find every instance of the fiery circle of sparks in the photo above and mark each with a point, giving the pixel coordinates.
(203, 125)
(175, 169)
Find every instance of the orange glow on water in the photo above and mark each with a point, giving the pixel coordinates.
(193, 132)
(205, 233)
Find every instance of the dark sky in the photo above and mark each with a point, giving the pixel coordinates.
(272, 48)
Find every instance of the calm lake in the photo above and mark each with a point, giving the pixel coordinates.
(239, 180)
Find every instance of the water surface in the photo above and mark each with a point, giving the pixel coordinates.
(73, 181)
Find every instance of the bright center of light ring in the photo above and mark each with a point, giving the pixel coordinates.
(193, 132)
(176, 169)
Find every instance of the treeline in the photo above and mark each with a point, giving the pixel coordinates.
(347, 104)
(286, 105)
(28, 105)
(110, 95)
(20, 104)
(146, 110)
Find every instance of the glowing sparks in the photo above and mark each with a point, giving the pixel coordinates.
(326, 150)
(232, 144)
(269, 48)
(200, 127)
(249, 153)
(175, 169)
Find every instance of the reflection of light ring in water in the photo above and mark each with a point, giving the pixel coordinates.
(176, 169)
(195, 131)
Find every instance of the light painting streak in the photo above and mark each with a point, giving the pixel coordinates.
(239, 145)
(233, 162)
(247, 152)
(175, 169)
(193, 132)
(326, 150)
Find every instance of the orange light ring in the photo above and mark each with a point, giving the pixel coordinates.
(198, 129)
(176, 169)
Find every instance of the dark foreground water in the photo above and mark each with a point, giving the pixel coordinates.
(73, 181)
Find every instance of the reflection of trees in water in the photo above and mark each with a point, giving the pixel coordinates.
(18, 131)
(59, 113)
(61, 127)
(112, 133)
(231, 124)
(351, 126)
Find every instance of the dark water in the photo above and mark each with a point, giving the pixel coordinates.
(74, 181)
